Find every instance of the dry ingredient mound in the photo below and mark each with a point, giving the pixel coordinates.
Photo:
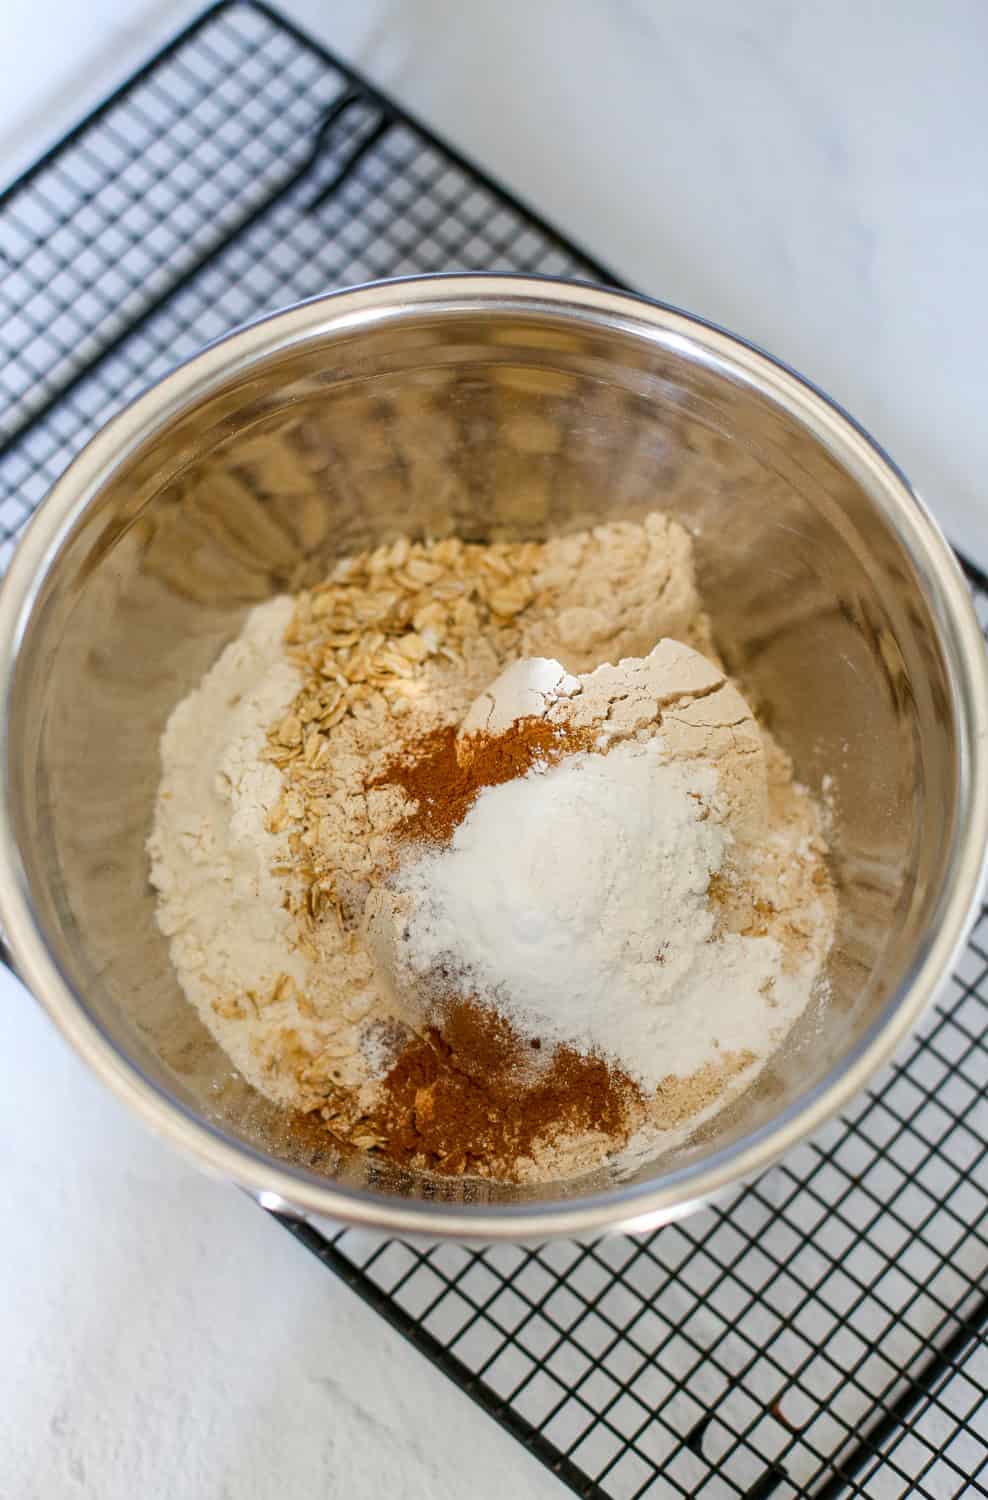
(325, 738)
(574, 900)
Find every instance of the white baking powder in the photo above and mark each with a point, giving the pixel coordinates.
(576, 900)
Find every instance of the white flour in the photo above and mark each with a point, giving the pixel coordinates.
(211, 852)
(576, 900)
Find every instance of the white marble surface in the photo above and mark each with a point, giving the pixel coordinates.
(812, 177)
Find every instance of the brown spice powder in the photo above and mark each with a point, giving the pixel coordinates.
(467, 1096)
(444, 785)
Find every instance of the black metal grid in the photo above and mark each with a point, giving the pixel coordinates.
(822, 1333)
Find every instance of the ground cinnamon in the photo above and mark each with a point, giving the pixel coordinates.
(443, 775)
(471, 1095)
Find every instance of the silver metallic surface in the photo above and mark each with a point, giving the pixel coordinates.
(492, 407)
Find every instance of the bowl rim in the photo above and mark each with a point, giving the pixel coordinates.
(629, 1208)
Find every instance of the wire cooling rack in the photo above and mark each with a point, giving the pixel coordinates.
(821, 1334)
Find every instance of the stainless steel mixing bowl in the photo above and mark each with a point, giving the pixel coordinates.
(489, 407)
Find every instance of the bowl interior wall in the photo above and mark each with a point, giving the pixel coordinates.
(519, 426)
